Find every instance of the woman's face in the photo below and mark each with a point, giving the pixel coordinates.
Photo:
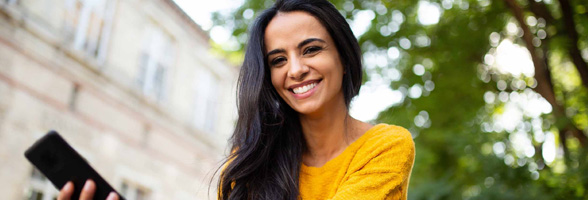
(306, 70)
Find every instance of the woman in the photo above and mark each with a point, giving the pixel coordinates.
(294, 137)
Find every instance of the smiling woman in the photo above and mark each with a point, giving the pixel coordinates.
(294, 137)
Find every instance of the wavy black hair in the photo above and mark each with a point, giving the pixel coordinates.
(267, 144)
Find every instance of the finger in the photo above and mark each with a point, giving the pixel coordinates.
(88, 190)
(112, 196)
(66, 191)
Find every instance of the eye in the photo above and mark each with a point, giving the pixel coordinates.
(277, 61)
(312, 50)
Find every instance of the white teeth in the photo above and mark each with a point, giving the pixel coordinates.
(303, 89)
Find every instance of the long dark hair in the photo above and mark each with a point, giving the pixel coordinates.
(267, 143)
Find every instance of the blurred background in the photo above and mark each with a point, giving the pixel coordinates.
(494, 92)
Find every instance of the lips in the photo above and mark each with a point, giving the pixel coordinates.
(305, 89)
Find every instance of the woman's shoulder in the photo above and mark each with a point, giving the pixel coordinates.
(387, 148)
(385, 133)
(385, 138)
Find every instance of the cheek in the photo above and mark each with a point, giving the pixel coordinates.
(277, 79)
(336, 70)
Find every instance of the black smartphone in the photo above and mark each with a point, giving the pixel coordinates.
(60, 163)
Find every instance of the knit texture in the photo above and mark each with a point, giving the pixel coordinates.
(375, 166)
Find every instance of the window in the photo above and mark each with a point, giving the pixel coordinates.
(134, 192)
(88, 23)
(9, 2)
(40, 187)
(206, 100)
(73, 98)
(155, 62)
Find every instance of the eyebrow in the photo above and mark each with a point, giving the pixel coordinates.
(300, 45)
(309, 40)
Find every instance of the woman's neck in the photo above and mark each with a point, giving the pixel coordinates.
(328, 134)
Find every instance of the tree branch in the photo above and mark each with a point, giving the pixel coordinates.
(541, 71)
(574, 51)
(540, 10)
(543, 78)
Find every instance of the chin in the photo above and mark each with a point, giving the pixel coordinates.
(306, 109)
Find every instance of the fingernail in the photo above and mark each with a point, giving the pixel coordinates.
(68, 186)
(87, 184)
(111, 196)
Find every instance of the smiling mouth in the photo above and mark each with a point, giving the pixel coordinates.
(304, 88)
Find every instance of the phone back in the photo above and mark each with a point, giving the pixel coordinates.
(60, 163)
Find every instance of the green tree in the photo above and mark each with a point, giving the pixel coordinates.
(460, 107)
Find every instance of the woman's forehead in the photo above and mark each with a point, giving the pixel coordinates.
(287, 29)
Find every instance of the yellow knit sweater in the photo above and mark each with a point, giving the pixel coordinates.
(375, 166)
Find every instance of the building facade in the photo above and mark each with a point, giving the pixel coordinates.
(130, 84)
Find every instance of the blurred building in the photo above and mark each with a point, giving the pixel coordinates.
(129, 83)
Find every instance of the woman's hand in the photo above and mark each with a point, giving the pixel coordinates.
(87, 191)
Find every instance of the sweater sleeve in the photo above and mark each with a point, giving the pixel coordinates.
(386, 170)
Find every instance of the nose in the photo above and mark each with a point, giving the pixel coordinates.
(298, 70)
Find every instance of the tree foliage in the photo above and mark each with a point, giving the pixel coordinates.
(481, 131)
